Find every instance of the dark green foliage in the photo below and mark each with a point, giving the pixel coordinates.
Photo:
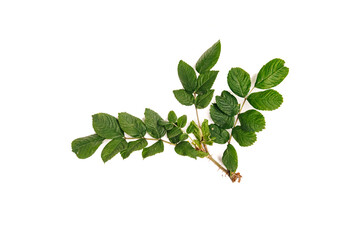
(106, 126)
(131, 125)
(203, 100)
(244, 138)
(184, 97)
(205, 81)
(220, 135)
(86, 146)
(151, 121)
(266, 100)
(220, 118)
(112, 148)
(252, 121)
(209, 58)
(182, 121)
(230, 159)
(172, 117)
(153, 149)
(225, 112)
(187, 76)
(227, 103)
(186, 149)
(133, 146)
(239, 81)
(271, 74)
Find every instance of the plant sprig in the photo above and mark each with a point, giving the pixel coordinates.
(127, 133)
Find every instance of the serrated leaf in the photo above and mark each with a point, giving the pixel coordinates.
(187, 76)
(227, 103)
(186, 149)
(266, 100)
(271, 74)
(112, 148)
(151, 121)
(244, 138)
(106, 126)
(174, 132)
(132, 125)
(239, 81)
(172, 117)
(167, 125)
(193, 128)
(202, 101)
(182, 121)
(184, 97)
(252, 121)
(209, 58)
(183, 137)
(220, 118)
(205, 131)
(153, 149)
(133, 146)
(221, 135)
(175, 139)
(230, 158)
(86, 146)
(205, 81)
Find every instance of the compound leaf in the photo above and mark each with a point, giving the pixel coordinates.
(186, 149)
(230, 158)
(239, 81)
(106, 126)
(271, 74)
(203, 100)
(266, 100)
(244, 138)
(209, 58)
(132, 125)
(252, 121)
(151, 121)
(153, 149)
(227, 103)
(205, 81)
(220, 118)
(86, 146)
(187, 76)
(115, 146)
(133, 146)
(220, 135)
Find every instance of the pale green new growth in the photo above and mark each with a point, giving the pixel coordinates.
(127, 133)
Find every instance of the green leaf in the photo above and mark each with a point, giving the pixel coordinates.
(106, 126)
(172, 117)
(133, 146)
(151, 121)
(244, 138)
(167, 125)
(174, 132)
(112, 148)
(183, 137)
(184, 97)
(133, 126)
(186, 149)
(187, 76)
(153, 149)
(205, 81)
(193, 128)
(202, 101)
(266, 100)
(227, 103)
(239, 81)
(230, 159)
(220, 118)
(175, 139)
(182, 121)
(205, 131)
(86, 146)
(209, 58)
(221, 136)
(271, 74)
(252, 121)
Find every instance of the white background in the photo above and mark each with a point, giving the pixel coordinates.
(62, 61)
